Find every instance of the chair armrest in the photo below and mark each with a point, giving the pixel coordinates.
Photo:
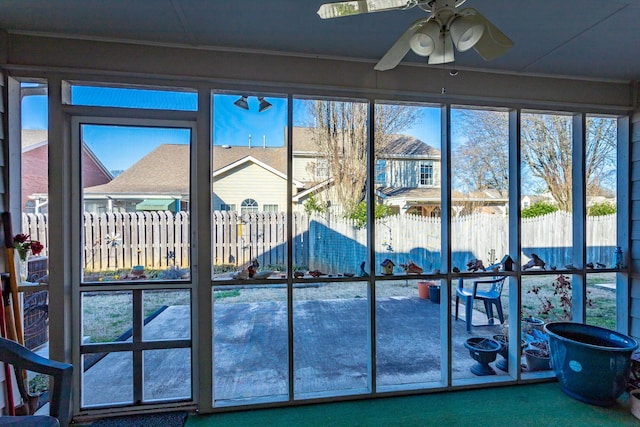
(491, 282)
(14, 354)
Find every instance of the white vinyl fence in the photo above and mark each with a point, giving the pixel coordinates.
(160, 239)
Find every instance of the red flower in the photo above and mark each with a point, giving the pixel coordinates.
(20, 238)
(24, 244)
(36, 247)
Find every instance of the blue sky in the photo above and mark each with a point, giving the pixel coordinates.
(232, 125)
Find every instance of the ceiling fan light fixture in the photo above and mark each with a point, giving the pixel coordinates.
(466, 31)
(444, 51)
(242, 103)
(264, 104)
(424, 40)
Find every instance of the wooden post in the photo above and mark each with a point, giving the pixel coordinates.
(13, 277)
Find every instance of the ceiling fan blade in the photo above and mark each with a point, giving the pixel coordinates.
(356, 7)
(400, 48)
(493, 43)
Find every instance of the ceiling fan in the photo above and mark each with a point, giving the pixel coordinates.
(434, 36)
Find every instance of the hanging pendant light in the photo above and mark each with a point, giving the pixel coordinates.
(242, 103)
(264, 104)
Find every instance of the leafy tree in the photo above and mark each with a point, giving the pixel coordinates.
(601, 209)
(538, 209)
(359, 214)
(312, 205)
(339, 130)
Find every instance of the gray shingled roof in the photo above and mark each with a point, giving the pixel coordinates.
(276, 157)
(407, 146)
(402, 145)
(165, 170)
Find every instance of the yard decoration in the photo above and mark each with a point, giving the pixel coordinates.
(475, 265)
(363, 272)
(411, 268)
(507, 263)
(387, 267)
(535, 261)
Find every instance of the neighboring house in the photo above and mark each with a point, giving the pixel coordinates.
(251, 179)
(158, 181)
(408, 176)
(254, 179)
(407, 173)
(35, 170)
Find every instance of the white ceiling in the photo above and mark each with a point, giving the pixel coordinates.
(591, 38)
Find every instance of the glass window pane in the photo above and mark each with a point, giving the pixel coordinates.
(408, 345)
(601, 174)
(167, 315)
(250, 350)
(107, 379)
(34, 207)
(547, 224)
(161, 99)
(331, 349)
(249, 158)
(107, 316)
(167, 374)
(330, 171)
(479, 321)
(136, 202)
(480, 188)
(601, 300)
(408, 204)
(545, 298)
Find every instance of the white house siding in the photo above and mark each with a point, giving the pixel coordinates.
(634, 308)
(406, 173)
(302, 167)
(250, 181)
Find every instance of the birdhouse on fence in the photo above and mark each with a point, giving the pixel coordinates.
(387, 266)
(507, 263)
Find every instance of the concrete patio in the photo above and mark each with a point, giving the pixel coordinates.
(330, 351)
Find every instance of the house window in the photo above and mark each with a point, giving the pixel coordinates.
(248, 206)
(270, 207)
(426, 173)
(322, 169)
(227, 207)
(381, 172)
(30, 206)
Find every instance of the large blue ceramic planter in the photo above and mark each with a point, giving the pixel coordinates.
(592, 363)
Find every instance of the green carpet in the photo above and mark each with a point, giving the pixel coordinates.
(536, 405)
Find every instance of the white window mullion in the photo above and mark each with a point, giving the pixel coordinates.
(579, 282)
(201, 301)
(445, 247)
(515, 242)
